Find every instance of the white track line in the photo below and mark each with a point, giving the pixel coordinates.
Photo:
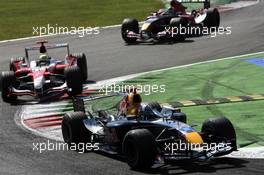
(53, 133)
(249, 153)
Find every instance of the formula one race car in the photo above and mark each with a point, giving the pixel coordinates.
(168, 24)
(155, 134)
(43, 76)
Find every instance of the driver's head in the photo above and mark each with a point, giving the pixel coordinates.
(134, 98)
(134, 101)
(44, 57)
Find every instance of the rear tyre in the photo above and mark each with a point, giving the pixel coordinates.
(217, 130)
(127, 26)
(212, 19)
(73, 77)
(8, 80)
(177, 24)
(139, 148)
(82, 64)
(73, 129)
(155, 105)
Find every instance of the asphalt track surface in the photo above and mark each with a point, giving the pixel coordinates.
(108, 57)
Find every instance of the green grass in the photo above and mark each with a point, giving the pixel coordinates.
(19, 16)
(218, 79)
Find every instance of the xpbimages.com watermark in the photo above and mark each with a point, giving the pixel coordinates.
(73, 30)
(145, 89)
(183, 146)
(42, 147)
(198, 31)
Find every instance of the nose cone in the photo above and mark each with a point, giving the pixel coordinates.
(194, 137)
(39, 82)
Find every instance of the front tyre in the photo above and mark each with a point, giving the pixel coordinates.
(8, 80)
(127, 26)
(139, 148)
(218, 130)
(82, 64)
(73, 129)
(73, 77)
(176, 25)
(212, 20)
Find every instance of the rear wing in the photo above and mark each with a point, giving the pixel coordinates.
(206, 3)
(54, 46)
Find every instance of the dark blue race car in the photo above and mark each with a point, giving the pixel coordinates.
(169, 24)
(155, 134)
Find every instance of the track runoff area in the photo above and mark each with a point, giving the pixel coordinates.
(231, 87)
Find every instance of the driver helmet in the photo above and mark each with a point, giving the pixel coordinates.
(44, 57)
(134, 102)
(174, 3)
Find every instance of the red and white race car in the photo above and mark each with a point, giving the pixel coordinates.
(44, 76)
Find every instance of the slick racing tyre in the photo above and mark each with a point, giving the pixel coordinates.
(212, 19)
(176, 25)
(82, 64)
(8, 80)
(73, 129)
(218, 130)
(139, 148)
(74, 80)
(129, 25)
